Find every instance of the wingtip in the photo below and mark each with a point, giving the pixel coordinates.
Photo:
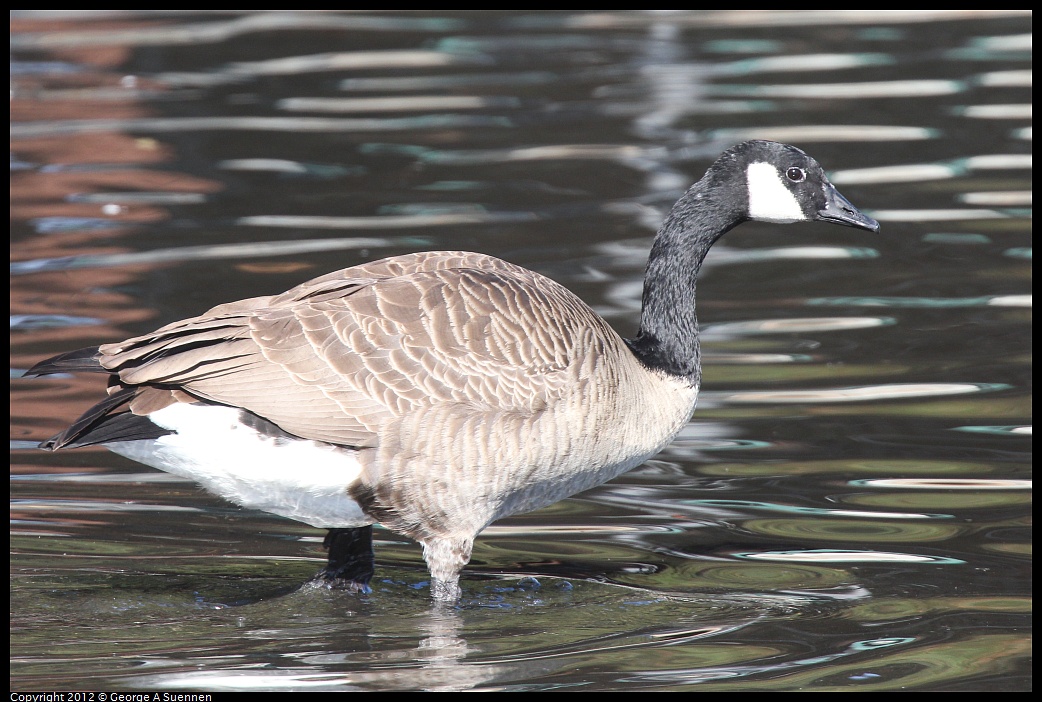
(84, 360)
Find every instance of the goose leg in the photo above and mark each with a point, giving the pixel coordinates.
(446, 558)
(350, 565)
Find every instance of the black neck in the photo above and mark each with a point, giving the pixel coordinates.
(668, 336)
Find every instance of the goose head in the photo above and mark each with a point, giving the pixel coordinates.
(782, 184)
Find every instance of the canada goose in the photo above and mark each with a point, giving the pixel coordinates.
(433, 392)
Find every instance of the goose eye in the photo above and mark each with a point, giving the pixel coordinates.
(796, 175)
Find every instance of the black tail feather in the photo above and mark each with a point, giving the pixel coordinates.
(99, 425)
(78, 361)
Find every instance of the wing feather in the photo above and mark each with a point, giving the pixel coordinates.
(339, 357)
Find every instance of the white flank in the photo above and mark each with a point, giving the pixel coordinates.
(302, 480)
(770, 200)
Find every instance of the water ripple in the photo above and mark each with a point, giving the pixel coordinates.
(191, 33)
(925, 302)
(195, 253)
(866, 393)
(160, 125)
(945, 483)
(826, 555)
(828, 512)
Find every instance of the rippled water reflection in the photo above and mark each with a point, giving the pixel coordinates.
(850, 506)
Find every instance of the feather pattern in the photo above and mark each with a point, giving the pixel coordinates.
(441, 370)
(433, 392)
(339, 357)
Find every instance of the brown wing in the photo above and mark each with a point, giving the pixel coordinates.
(338, 357)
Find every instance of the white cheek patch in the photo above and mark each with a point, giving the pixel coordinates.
(769, 198)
